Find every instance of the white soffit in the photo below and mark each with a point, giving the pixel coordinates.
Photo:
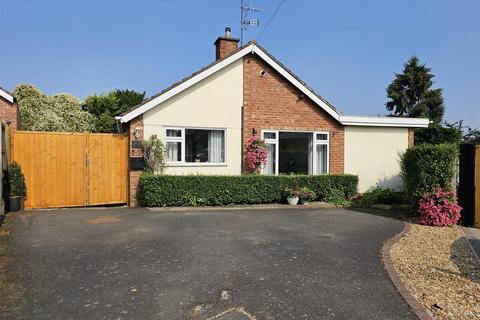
(7, 96)
(384, 121)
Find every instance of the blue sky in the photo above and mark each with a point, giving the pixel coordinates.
(348, 51)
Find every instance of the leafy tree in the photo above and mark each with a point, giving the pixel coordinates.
(108, 105)
(411, 95)
(469, 135)
(59, 112)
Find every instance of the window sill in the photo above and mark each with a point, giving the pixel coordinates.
(195, 164)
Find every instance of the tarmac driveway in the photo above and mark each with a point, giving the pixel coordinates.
(121, 263)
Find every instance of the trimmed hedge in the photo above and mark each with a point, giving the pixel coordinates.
(197, 190)
(428, 167)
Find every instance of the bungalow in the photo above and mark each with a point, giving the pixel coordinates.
(206, 119)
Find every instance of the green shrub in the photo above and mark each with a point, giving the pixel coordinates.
(335, 196)
(436, 134)
(427, 167)
(15, 180)
(197, 190)
(378, 195)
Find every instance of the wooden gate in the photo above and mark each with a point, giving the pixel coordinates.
(72, 169)
(469, 185)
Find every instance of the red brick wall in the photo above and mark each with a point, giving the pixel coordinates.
(134, 175)
(9, 113)
(271, 102)
(411, 137)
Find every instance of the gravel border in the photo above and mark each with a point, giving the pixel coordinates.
(437, 267)
(419, 310)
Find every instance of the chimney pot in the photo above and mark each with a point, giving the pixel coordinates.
(228, 30)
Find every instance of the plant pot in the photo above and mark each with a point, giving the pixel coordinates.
(14, 203)
(292, 201)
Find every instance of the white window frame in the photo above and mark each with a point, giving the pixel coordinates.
(314, 151)
(175, 139)
(275, 142)
(181, 139)
(315, 142)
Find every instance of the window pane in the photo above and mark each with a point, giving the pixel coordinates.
(322, 136)
(204, 145)
(270, 166)
(174, 151)
(174, 133)
(321, 165)
(269, 135)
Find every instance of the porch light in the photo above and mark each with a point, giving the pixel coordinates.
(136, 133)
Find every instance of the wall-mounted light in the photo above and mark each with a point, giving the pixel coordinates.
(136, 133)
(254, 132)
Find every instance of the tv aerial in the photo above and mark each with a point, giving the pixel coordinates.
(245, 20)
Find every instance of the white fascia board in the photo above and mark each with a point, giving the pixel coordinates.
(7, 96)
(384, 121)
(296, 83)
(185, 85)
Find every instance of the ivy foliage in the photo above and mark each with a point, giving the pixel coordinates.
(427, 167)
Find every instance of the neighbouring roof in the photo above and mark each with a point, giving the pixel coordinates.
(6, 95)
(254, 48)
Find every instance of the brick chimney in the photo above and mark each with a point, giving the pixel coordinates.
(225, 45)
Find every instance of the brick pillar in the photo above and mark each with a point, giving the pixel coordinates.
(134, 175)
(411, 137)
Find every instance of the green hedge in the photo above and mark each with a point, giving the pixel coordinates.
(436, 134)
(197, 190)
(428, 166)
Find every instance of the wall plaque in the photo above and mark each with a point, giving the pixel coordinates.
(136, 144)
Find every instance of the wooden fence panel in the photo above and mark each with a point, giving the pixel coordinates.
(54, 168)
(107, 167)
(71, 169)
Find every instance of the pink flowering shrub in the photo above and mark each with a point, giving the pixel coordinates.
(256, 155)
(438, 208)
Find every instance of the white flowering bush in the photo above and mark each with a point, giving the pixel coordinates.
(59, 112)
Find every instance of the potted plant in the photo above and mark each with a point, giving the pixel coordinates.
(306, 195)
(15, 187)
(292, 195)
